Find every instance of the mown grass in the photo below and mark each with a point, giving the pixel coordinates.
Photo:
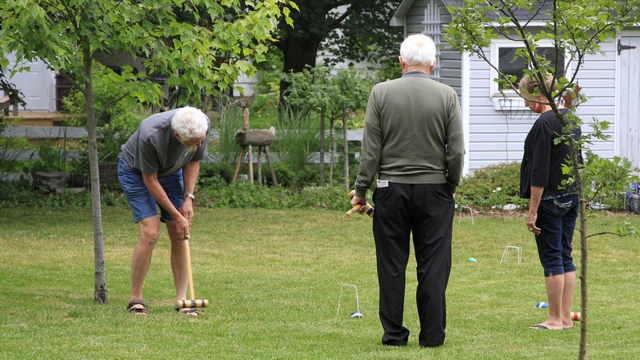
(274, 277)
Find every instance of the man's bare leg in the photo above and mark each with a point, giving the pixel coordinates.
(141, 259)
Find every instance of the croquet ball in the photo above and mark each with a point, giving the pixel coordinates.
(471, 260)
(575, 316)
(541, 305)
(355, 315)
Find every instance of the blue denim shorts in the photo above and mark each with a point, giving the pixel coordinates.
(142, 203)
(557, 221)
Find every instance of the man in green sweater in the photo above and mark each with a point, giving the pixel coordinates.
(413, 140)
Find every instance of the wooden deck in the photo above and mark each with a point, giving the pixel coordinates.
(37, 118)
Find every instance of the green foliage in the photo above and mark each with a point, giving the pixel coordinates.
(114, 134)
(215, 175)
(264, 111)
(607, 179)
(51, 158)
(15, 95)
(308, 175)
(194, 52)
(106, 96)
(230, 122)
(9, 158)
(245, 195)
(20, 193)
(329, 91)
(295, 138)
(494, 185)
(389, 71)
(285, 175)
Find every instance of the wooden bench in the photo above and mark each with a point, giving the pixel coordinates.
(5, 103)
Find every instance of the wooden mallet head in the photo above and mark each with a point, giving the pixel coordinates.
(187, 304)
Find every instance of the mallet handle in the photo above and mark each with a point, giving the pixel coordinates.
(189, 273)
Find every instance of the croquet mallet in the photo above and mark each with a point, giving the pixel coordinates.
(193, 303)
(368, 209)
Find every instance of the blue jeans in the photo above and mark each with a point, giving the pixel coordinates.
(557, 221)
(140, 199)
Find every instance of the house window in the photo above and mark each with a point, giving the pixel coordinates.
(503, 53)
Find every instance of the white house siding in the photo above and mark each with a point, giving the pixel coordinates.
(492, 138)
(597, 78)
(495, 137)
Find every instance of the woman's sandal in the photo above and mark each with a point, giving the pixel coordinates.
(137, 310)
(189, 311)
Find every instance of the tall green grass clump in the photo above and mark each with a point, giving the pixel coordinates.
(295, 138)
(230, 122)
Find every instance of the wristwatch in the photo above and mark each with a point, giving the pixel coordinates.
(191, 196)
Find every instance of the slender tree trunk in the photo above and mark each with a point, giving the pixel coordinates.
(321, 147)
(100, 292)
(584, 298)
(332, 157)
(345, 147)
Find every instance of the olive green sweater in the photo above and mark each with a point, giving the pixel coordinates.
(413, 134)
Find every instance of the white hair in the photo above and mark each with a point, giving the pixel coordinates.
(418, 50)
(190, 123)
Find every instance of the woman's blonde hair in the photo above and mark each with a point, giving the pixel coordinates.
(529, 84)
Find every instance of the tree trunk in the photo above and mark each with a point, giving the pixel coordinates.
(584, 298)
(332, 154)
(345, 147)
(574, 151)
(100, 291)
(299, 53)
(321, 147)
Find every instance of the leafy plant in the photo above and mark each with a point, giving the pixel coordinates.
(50, 158)
(9, 152)
(607, 179)
(492, 186)
(295, 138)
(230, 122)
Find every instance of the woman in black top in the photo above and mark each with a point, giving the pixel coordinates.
(553, 209)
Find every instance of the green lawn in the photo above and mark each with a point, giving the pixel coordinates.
(273, 279)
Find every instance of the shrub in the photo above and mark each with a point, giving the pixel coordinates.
(494, 185)
(215, 174)
(607, 180)
(244, 195)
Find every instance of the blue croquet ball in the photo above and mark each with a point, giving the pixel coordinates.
(471, 260)
(541, 305)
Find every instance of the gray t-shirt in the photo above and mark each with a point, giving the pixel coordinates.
(154, 149)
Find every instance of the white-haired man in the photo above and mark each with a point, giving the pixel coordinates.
(413, 140)
(158, 167)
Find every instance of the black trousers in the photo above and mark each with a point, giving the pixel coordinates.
(426, 212)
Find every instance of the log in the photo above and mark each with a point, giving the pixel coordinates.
(256, 137)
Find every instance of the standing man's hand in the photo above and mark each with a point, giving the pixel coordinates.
(359, 201)
(186, 209)
(184, 226)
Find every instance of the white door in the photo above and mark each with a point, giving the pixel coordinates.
(629, 97)
(36, 85)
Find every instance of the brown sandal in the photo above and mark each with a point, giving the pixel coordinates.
(137, 310)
